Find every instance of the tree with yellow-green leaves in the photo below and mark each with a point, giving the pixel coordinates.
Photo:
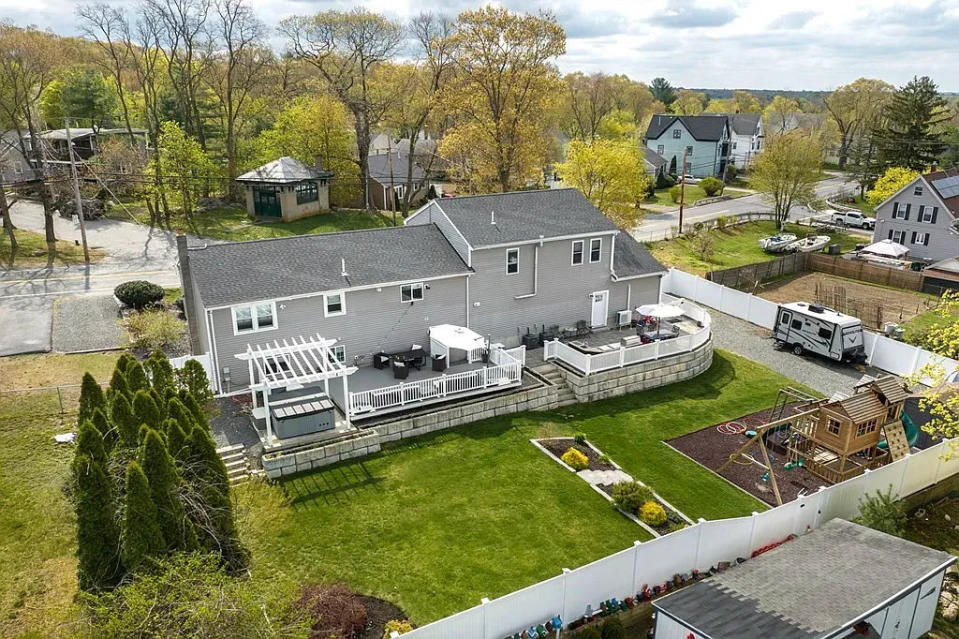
(689, 103)
(777, 114)
(787, 171)
(856, 109)
(502, 97)
(611, 174)
(940, 399)
(889, 182)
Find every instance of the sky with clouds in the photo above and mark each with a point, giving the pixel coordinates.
(762, 44)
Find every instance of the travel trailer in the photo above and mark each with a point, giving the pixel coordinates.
(816, 329)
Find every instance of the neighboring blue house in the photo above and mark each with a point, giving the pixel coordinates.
(705, 138)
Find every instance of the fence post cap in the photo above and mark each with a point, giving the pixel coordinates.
(637, 543)
(702, 520)
(566, 570)
(755, 514)
(484, 600)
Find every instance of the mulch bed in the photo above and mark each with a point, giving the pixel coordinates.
(378, 612)
(712, 448)
(673, 520)
(559, 446)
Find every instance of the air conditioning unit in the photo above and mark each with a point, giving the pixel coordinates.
(624, 318)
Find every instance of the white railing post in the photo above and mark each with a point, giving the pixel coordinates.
(566, 613)
(699, 541)
(402, 393)
(752, 532)
(485, 377)
(622, 355)
(636, 545)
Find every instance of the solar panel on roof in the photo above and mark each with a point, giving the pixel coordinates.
(948, 186)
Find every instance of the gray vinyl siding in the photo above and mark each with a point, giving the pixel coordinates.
(562, 295)
(943, 240)
(433, 214)
(374, 321)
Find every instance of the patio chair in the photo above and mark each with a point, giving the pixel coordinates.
(417, 357)
(400, 370)
(381, 360)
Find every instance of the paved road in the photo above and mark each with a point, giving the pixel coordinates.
(656, 225)
(27, 296)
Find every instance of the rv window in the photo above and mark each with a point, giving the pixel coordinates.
(825, 333)
(785, 319)
(797, 325)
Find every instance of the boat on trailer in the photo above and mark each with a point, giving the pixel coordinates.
(777, 243)
(809, 244)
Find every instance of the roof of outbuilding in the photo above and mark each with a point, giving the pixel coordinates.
(390, 168)
(653, 159)
(284, 170)
(809, 587)
(238, 272)
(702, 127)
(522, 216)
(632, 258)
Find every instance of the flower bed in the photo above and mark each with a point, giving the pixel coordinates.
(674, 520)
(558, 446)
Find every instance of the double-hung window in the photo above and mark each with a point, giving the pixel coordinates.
(334, 304)
(411, 292)
(917, 190)
(897, 236)
(900, 211)
(927, 214)
(577, 252)
(512, 261)
(920, 238)
(255, 317)
(595, 249)
(660, 149)
(338, 353)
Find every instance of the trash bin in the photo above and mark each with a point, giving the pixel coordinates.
(531, 341)
(439, 362)
(834, 249)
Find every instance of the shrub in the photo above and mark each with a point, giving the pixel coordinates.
(630, 495)
(674, 194)
(589, 633)
(138, 293)
(338, 612)
(401, 626)
(613, 629)
(665, 181)
(731, 172)
(883, 512)
(579, 438)
(154, 329)
(711, 186)
(722, 222)
(652, 514)
(575, 459)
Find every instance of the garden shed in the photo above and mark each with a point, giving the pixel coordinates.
(286, 189)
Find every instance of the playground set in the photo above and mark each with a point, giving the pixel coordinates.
(803, 442)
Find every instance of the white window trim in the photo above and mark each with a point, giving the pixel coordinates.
(508, 251)
(254, 318)
(339, 348)
(899, 237)
(326, 305)
(412, 286)
(600, 258)
(925, 216)
(582, 252)
(920, 238)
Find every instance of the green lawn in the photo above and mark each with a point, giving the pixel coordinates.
(233, 223)
(693, 194)
(32, 251)
(735, 246)
(437, 523)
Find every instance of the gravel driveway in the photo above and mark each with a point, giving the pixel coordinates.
(755, 343)
(87, 323)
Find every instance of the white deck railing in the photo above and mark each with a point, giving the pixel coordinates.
(507, 369)
(588, 363)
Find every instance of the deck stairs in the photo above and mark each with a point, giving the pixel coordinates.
(236, 462)
(896, 440)
(552, 374)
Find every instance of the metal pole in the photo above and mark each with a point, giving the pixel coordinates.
(682, 191)
(76, 194)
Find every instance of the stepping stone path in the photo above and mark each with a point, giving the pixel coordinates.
(604, 477)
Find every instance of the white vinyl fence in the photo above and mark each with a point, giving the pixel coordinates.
(179, 362)
(882, 352)
(700, 546)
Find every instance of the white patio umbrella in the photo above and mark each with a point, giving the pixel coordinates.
(660, 311)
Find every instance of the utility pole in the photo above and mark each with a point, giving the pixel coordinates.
(76, 194)
(682, 191)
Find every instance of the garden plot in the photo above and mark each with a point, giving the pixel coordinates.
(634, 499)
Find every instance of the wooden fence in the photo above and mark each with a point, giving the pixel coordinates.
(750, 275)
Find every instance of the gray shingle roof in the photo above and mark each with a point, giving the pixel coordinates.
(379, 166)
(523, 216)
(744, 123)
(809, 587)
(284, 170)
(701, 127)
(654, 159)
(238, 272)
(632, 258)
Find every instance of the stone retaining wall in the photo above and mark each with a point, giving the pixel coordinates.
(639, 377)
(297, 461)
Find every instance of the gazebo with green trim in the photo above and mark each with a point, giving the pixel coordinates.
(286, 189)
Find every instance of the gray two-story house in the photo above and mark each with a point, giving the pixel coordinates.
(705, 139)
(498, 265)
(922, 216)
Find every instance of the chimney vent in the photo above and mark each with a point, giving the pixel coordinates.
(492, 218)
(343, 267)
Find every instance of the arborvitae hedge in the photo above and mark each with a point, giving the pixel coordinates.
(146, 410)
(98, 539)
(141, 537)
(89, 442)
(164, 479)
(91, 398)
(126, 423)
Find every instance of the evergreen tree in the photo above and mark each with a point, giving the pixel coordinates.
(146, 411)
(118, 383)
(98, 540)
(159, 399)
(107, 430)
(176, 440)
(163, 478)
(194, 379)
(137, 377)
(121, 414)
(91, 398)
(912, 136)
(194, 406)
(140, 536)
(90, 442)
(177, 411)
(208, 478)
(161, 373)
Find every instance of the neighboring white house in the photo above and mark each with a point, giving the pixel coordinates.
(922, 216)
(746, 132)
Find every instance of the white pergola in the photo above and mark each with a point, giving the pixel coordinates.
(294, 363)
